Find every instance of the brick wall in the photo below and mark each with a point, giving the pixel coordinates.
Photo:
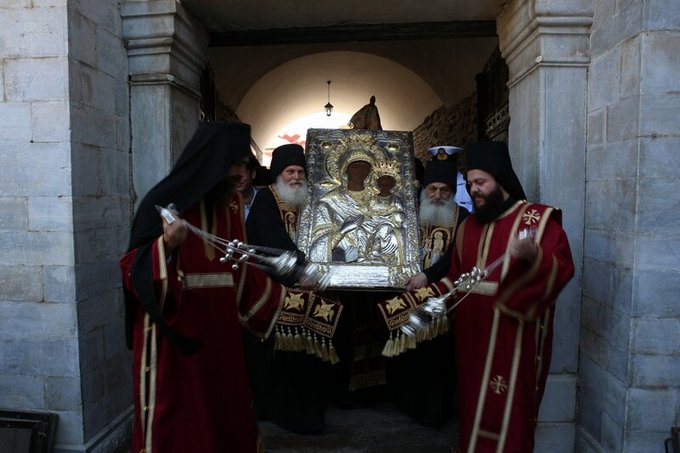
(455, 125)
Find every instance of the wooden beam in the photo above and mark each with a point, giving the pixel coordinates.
(355, 33)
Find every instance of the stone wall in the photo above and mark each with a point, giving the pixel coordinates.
(100, 171)
(630, 353)
(64, 143)
(455, 125)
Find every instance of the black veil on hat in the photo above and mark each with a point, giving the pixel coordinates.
(441, 171)
(201, 167)
(494, 158)
(286, 155)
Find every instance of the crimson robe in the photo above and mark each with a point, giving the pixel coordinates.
(202, 401)
(503, 329)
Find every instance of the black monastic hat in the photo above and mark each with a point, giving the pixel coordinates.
(494, 158)
(441, 171)
(286, 155)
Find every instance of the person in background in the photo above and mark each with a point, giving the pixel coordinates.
(420, 379)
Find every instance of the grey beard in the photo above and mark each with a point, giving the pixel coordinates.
(438, 215)
(294, 196)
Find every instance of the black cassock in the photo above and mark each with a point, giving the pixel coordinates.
(289, 388)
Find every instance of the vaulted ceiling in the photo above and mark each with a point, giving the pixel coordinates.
(272, 58)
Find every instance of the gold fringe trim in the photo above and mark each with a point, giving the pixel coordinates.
(400, 342)
(300, 339)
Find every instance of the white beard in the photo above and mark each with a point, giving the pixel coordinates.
(442, 215)
(293, 195)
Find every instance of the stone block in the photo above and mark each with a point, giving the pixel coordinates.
(35, 32)
(604, 80)
(35, 169)
(44, 3)
(14, 127)
(660, 253)
(100, 244)
(14, 213)
(603, 13)
(659, 157)
(97, 312)
(94, 384)
(118, 375)
(611, 205)
(97, 212)
(20, 392)
(609, 246)
(645, 441)
(555, 437)
(82, 38)
(50, 214)
(114, 338)
(620, 27)
(50, 122)
(105, 14)
(56, 356)
(111, 55)
(585, 443)
(87, 170)
(615, 160)
(653, 370)
(37, 320)
(36, 248)
(96, 89)
(39, 79)
(622, 290)
(20, 283)
(658, 115)
(657, 207)
(660, 65)
(597, 127)
(623, 120)
(2, 79)
(596, 283)
(14, 4)
(631, 63)
(567, 331)
(661, 15)
(59, 284)
(121, 94)
(652, 409)
(70, 431)
(598, 207)
(611, 434)
(559, 399)
(656, 293)
(62, 394)
(601, 393)
(114, 173)
(93, 126)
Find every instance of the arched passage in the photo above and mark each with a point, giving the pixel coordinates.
(298, 89)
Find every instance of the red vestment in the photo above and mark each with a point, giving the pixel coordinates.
(199, 402)
(503, 329)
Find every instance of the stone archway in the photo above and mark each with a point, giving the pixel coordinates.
(546, 47)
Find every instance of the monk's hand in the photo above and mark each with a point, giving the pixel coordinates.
(416, 281)
(523, 249)
(175, 233)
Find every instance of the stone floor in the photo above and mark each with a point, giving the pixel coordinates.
(369, 427)
(375, 428)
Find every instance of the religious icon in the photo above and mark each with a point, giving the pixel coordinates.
(360, 218)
